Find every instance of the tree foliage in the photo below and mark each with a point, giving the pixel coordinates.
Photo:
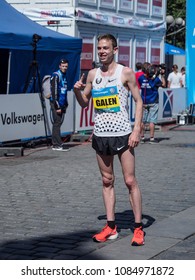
(177, 9)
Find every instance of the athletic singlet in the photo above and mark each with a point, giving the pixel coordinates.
(110, 99)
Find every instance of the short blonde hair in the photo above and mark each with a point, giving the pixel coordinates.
(108, 37)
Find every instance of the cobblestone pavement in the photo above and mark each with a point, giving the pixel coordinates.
(51, 202)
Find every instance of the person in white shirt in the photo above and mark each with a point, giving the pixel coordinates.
(183, 76)
(174, 78)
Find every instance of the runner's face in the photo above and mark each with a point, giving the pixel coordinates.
(63, 67)
(106, 51)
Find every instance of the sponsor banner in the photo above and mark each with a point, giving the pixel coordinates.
(27, 122)
(94, 17)
(114, 20)
(20, 120)
(171, 102)
(50, 14)
(167, 104)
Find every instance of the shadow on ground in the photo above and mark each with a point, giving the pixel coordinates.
(125, 220)
(71, 246)
(159, 139)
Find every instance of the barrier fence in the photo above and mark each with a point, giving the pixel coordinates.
(21, 115)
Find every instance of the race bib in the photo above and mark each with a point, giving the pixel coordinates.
(106, 99)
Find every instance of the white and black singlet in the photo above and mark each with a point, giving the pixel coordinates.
(111, 110)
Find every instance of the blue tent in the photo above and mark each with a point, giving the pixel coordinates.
(170, 49)
(18, 47)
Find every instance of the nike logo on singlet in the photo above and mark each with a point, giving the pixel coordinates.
(111, 80)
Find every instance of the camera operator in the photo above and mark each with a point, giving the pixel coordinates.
(149, 84)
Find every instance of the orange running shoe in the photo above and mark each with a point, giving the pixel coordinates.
(105, 234)
(138, 237)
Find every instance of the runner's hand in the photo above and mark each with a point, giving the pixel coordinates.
(134, 139)
(79, 85)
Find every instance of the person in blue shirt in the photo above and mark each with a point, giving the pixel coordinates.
(59, 104)
(149, 83)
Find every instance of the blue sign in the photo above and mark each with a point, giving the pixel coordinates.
(170, 49)
(190, 52)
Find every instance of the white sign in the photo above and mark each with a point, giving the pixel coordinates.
(21, 117)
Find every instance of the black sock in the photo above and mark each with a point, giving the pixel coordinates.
(137, 225)
(111, 224)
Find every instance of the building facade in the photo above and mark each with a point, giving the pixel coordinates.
(139, 25)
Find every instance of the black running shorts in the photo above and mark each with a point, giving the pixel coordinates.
(110, 145)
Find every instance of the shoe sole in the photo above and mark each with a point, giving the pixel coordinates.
(111, 237)
(136, 244)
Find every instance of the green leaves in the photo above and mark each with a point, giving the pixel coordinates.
(177, 9)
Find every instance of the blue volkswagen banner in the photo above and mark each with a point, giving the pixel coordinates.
(190, 51)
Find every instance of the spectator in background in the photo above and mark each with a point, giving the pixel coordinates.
(150, 83)
(162, 75)
(58, 103)
(174, 78)
(138, 72)
(145, 66)
(183, 76)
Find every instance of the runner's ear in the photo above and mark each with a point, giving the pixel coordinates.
(115, 50)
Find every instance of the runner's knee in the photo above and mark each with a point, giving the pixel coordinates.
(130, 182)
(108, 180)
